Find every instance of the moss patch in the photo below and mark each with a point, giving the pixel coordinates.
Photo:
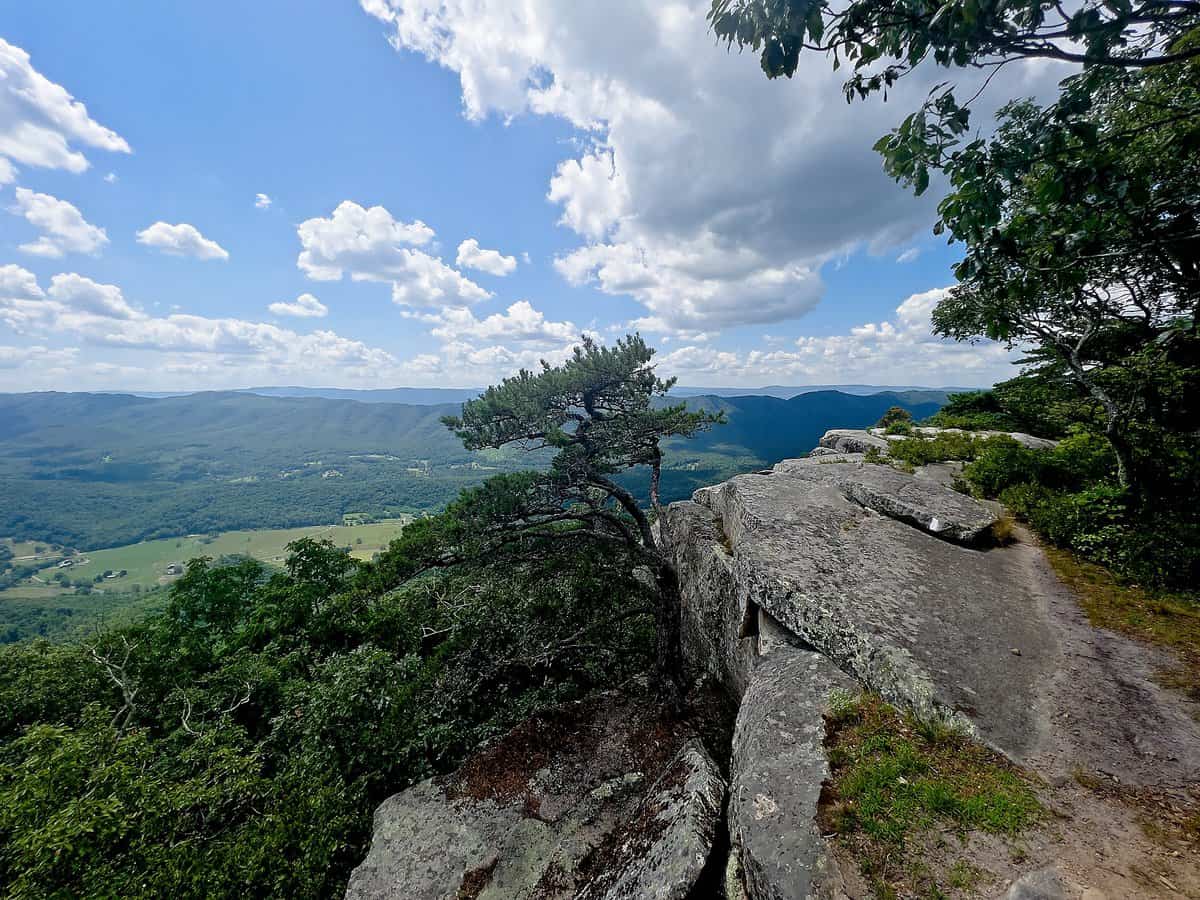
(1168, 620)
(895, 780)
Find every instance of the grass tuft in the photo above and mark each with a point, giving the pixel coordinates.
(895, 778)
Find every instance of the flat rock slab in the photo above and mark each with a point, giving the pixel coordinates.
(927, 503)
(989, 638)
(663, 850)
(1043, 884)
(777, 771)
(852, 440)
(520, 818)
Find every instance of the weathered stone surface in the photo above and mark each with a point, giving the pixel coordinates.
(663, 850)
(852, 440)
(1044, 884)
(928, 503)
(714, 617)
(1025, 440)
(777, 769)
(930, 624)
(923, 621)
(520, 817)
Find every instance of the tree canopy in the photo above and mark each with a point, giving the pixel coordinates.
(884, 40)
(1080, 219)
(1083, 241)
(600, 410)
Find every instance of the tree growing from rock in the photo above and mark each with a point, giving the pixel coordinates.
(1083, 242)
(598, 412)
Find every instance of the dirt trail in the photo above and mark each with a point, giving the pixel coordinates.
(1119, 756)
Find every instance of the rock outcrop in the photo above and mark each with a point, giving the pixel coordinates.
(777, 769)
(821, 574)
(859, 440)
(1025, 440)
(830, 572)
(608, 799)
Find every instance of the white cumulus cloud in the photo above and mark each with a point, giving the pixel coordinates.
(64, 229)
(901, 350)
(72, 301)
(262, 201)
(306, 306)
(41, 124)
(520, 323)
(704, 191)
(368, 244)
(181, 240)
(493, 262)
(183, 349)
(81, 294)
(44, 359)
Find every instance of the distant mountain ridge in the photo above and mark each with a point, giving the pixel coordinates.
(431, 396)
(96, 470)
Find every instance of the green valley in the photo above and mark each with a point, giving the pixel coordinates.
(67, 591)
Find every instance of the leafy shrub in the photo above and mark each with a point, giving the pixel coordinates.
(1089, 521)
(1070, 496)
(946, 445)
(1080, 459)
(874, 456)
(897, 420)
(975, 411)
(1003, 464)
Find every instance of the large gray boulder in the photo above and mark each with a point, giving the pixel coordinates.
(927, 623)
(662, 851)
(860, 440)
(537, 813)
(1025, 440)
(777, 770)
(925, 503)
(987, 638)
(852, 440)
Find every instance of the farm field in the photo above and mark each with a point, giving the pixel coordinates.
(41, 606)
(146, 562)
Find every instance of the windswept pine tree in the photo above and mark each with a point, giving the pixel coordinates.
(598, 411)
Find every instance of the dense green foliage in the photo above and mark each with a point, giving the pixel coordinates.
(99, 470)
(597, 411)
(1080, 219)
(235, 744)
(1073, 495)
(897, 420)
(1083, 242)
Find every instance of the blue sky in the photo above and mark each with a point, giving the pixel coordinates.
(456, 189)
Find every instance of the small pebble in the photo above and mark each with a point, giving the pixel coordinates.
(1015, 651)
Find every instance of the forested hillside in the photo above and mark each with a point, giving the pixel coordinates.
(98, 470)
